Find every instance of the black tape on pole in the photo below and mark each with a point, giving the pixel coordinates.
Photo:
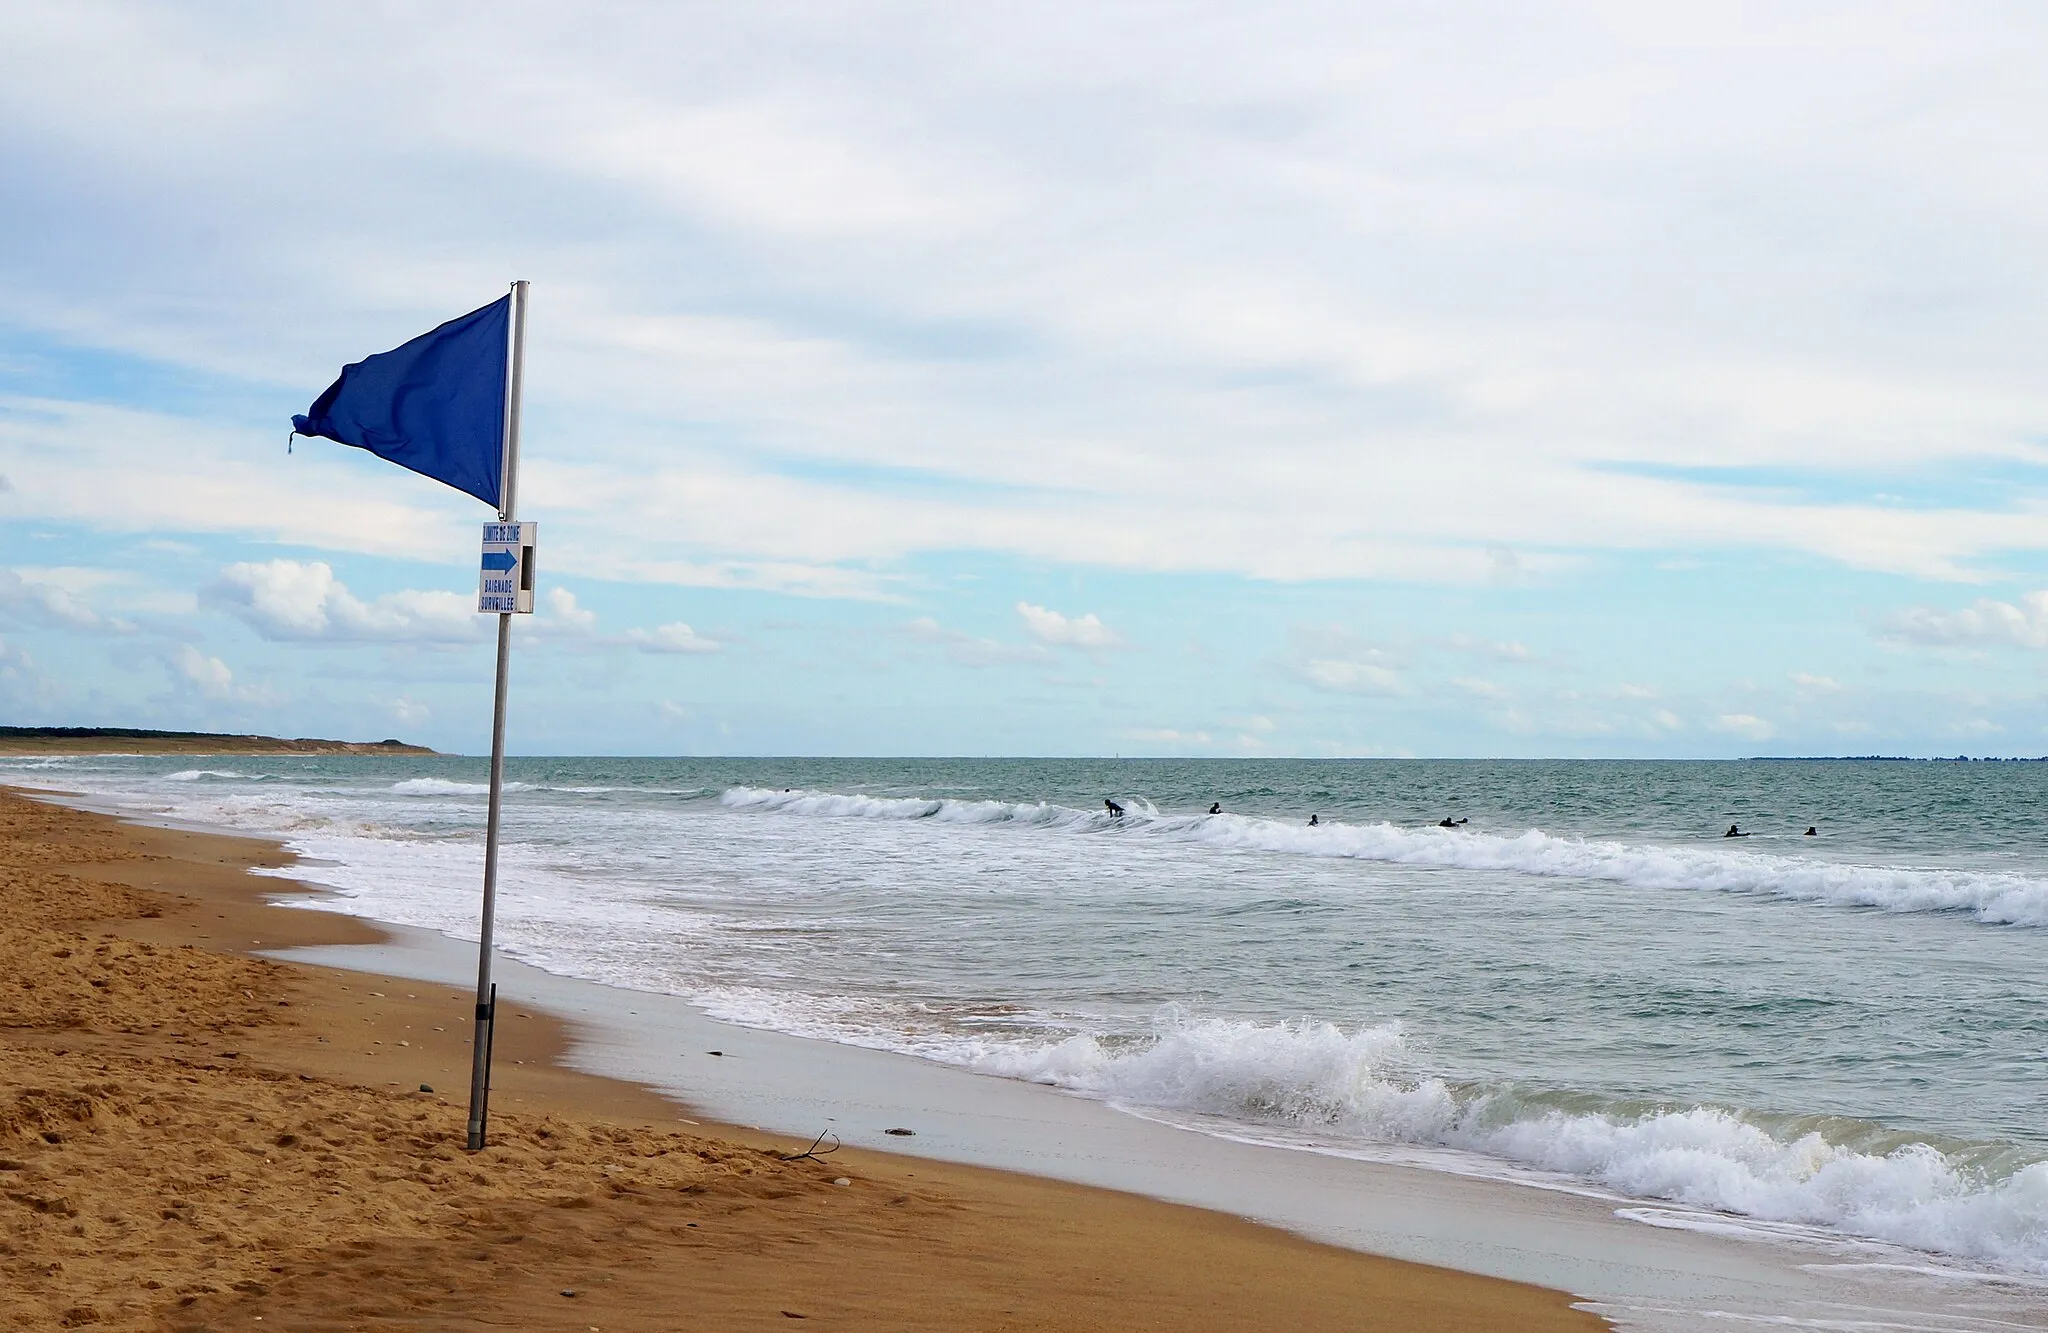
(490, 1048)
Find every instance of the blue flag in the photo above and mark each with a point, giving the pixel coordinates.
(435, 405)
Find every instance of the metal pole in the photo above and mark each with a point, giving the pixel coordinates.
(486, 993)
(515, 382)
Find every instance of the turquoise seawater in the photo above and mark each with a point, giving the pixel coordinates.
(1583, 981)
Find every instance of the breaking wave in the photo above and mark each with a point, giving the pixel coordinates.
(444, 787)
(1979, 1203)
(1996, 898)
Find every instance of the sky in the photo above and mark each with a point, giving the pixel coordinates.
(1295, 379)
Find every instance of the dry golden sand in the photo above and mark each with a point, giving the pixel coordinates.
(193, 1138)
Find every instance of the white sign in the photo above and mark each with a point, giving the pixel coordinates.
(505, 583)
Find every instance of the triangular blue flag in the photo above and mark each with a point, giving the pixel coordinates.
(435, 405)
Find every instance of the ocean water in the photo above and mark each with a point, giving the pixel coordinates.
(1582, 986)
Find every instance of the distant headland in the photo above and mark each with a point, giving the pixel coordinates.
(135, 740)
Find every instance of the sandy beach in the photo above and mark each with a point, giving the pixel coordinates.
(196, 1137)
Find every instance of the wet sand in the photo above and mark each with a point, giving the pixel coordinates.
(193, 1137)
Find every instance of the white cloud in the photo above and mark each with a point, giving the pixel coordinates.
(1479, 688)
(1806, 680)
(970, 650)
(1746, 725)
(209, 674)
(15, 662)
(564, 611)
(676, 637)
(1497, 649)
(604, 556)
(1984, 624)
(303, 601)
(79, 580)
(110, 590)
(1276, 267)
(1668, 720)
(409, 711)
(1335, 659)
(50, 597)
(1048, 626)
(122, 469)
(1350, 676)
(27, 691)
(1168, 736)
(565, 619)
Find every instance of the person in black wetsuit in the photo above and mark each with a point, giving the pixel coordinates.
(1115, 811)
(1216, 808)
(1734, 832)
(1315, 821)
(1812, 831)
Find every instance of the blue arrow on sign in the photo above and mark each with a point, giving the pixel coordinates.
(500, 560)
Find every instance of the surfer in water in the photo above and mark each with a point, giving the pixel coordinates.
(1812, 831)
(1216, 808)
(1734, 832)
(1115, 811)
(1448, 822)
(1315, 821)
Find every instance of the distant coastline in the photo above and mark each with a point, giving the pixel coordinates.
(136, 740)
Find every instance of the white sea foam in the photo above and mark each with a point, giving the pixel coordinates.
(1364, 1085)
(1993, 897)
(1364, 1088)
(445, 787)
(607, 791)
(857, 806)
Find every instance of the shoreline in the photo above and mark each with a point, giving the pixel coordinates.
(158, 1012)
(1643, 1266)
(1642, 1263)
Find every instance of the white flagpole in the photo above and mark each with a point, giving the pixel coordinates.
(486, 993)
